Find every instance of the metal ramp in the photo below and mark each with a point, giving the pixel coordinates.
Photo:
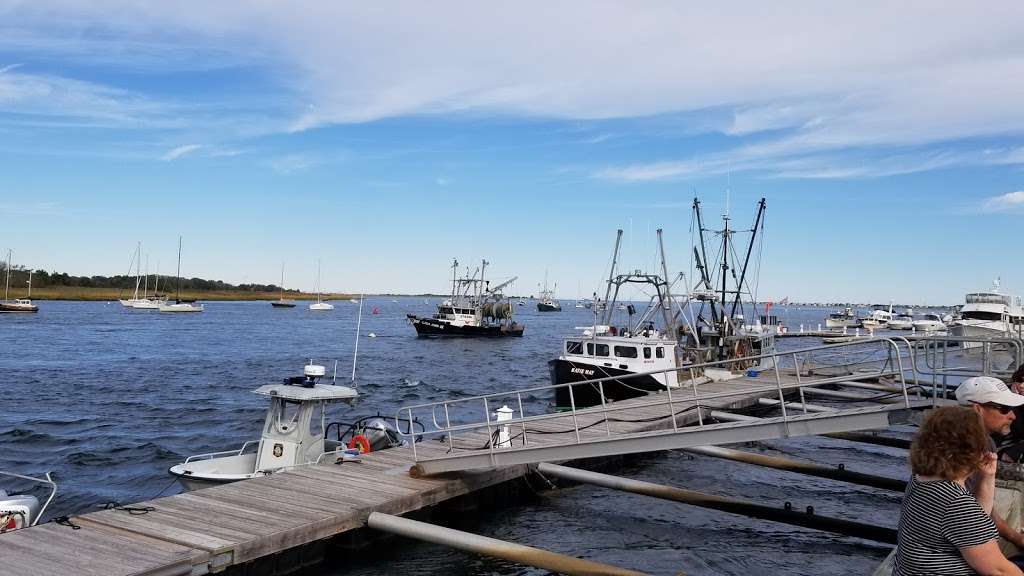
(498, 429)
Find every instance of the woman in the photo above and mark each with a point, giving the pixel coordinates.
(943, 529)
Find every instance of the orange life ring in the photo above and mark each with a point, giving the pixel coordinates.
(361, 442)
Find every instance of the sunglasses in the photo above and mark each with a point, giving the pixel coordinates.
(1004, 410)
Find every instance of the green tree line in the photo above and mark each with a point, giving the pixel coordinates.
(42, 278)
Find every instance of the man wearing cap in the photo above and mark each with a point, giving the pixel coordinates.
(994, 402)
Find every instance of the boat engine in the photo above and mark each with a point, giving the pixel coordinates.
(380, 434)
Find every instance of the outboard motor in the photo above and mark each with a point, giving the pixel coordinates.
(381, 434)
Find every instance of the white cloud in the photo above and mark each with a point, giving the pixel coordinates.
(180, 151)
(292, 163)
(1006, 202)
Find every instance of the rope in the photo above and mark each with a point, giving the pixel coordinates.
(66, 521)
(133, 510)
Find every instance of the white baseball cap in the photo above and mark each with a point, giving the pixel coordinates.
(987, 390)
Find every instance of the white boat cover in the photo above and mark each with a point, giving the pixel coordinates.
(302, 394)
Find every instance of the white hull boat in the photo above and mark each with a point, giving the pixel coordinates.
(844, 319)
(901, 323)
(321, 306)
(181, 307)
(22, 510)
(929, 323)
(291, 437)
(989, 314)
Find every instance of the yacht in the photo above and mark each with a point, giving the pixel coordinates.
(845, 319)
(547, 302)
(992, 314)
(475, 308)
(929, 323)
(902, 322)
(290, 437)
(319, 305)
(18, 304)
(878, 318)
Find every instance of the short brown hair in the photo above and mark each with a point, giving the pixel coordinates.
(950, 444)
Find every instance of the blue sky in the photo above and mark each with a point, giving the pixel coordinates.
(387, 138)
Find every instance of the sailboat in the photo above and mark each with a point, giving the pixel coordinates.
(19, 304)
(281, 302)
(179, 304)
(147, 303)
(319, 304)
(579, 303)
(137, 260)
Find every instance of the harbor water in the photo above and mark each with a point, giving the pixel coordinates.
(109, 398)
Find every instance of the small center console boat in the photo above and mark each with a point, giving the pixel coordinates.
(291, 437)
(21, 510)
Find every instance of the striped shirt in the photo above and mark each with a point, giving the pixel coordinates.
(937, 519)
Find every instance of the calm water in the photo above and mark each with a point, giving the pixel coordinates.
(109, 398)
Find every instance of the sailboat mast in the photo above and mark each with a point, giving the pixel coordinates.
(138, 269)
(145, 290)
(282, 281)
(666, 312)
(7, 284)
(29, 284)
(177, 294)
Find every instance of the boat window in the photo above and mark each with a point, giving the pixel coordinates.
(602, 349)
(316, 422)
(446, 311)
(979, 315)
(573, 347)
(285, 416)
(625, 351)
(647, 352)
(659, 352)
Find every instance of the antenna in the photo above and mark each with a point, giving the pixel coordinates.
(355, 354)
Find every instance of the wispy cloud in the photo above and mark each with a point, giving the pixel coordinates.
(1011, 201)
(292, 163)
(180, 151)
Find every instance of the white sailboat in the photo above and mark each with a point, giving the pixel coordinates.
(320, 305)
(179, 304)
(147, 303)
(18, 304)
(137, 260)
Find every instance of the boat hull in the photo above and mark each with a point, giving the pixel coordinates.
(545, 307)
(282, 304)
(181, 308)
(23, 308)
(584, 395)
(429, 327)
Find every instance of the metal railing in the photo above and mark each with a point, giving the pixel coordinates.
(212, 455)
(460, 417)
(940, 352)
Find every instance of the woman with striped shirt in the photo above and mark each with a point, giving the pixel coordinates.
(943, 528)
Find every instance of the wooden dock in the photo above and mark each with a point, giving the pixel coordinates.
(233, 526)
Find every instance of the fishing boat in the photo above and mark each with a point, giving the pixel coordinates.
(281, 302)
(474, 309)
(23, 510)
(180, 305)
(319, 306)
(291, 436)
(18, 304)
(547, 302)
(647, 352)
(844, 319)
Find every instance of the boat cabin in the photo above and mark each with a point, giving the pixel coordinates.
(637, 353)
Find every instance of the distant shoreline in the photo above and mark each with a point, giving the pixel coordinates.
(85, 294)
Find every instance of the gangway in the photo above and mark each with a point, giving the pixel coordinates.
(511, 428)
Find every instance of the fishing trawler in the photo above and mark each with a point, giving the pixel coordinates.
(474, 309)
(649, 351)
(547, 302)
(291, 437)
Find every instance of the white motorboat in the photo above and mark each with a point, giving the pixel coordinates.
(845, 319)
(929, 323)
(22, 510)
(989, 314)
(879, 318)
(179, 304)
(290, 435)
(902, 322)
(319, 305)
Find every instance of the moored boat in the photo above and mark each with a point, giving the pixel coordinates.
(23, 510)
(18, 304)
(844, 319)
(474, 309)
(547, 302)
(180, 305)
(989, 314)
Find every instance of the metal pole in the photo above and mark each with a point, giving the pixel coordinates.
(467, 542)
(359, 321)
(735, 506)
(809, 468)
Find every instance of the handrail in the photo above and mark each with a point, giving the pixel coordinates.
(212, 455)
(892, 364)
(47, 480)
